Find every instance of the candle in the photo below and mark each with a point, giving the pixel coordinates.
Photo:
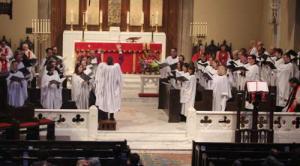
(156, 18)
(35, 26)
(128, 17)
(86, 16)
(32, 26)
(45, 25)
(142, 18)
(100, 19)
(191, 26)
(72, 19)
(49, 26)
(206, 29)
(83, 18)
(38, 25)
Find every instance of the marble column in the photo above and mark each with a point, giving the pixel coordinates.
(185, 18)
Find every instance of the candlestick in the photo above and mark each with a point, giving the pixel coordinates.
(206, 29)
(32, 26)
(86, 16)
(49, 26)
(72, 19)
(83, 18)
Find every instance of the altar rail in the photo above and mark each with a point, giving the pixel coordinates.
(221, 126)
(75, 123)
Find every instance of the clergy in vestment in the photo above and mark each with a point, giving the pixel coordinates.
(284, 73)
(221, 89)
(188, 91)
(81, 88)
(108, 89)
(223, 56)
(51, 89)
(17, 86)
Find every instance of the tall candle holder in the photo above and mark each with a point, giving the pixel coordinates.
(142, 28)
(100, 27)
(84, 27)
(198, 31)
(71, 28)
(127, 29)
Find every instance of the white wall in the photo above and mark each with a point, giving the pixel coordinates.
(23, 12)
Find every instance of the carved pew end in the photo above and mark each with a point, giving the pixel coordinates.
(107, 125)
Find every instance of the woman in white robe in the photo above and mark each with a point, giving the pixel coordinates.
(108, 90)
(80, 89)
(221, 90)
(17, 88)
(51, 90)
(188, 91)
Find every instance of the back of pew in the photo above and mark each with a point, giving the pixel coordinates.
(247, 154)
(66, 152)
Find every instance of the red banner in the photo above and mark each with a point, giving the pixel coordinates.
(132, 53)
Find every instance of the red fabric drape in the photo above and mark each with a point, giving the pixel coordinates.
(128, 49)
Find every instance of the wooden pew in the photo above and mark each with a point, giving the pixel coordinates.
(225, 154)
(169, 100)
(67, 152)
(203, 99)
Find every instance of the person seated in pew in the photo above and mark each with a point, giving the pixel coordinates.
(16, 86)
(81, 88)
(283, 75)
(221, 89)
(293, 103)
(51, 89)
(188, 90)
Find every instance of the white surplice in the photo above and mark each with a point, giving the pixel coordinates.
(284, 73)
(188, 93)
(17, 91)
(51, 95)
(253, 72)
(108, 89)
(221, 92)
(164, 72)
(80, 92)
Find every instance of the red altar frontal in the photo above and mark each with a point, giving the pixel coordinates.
(133, 54)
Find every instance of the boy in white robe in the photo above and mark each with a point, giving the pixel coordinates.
(253, 71)
(51, 89)
(17, 86)
(188, 91)
(284, 73)
(108, 90)
(221, 90)
(81, 88)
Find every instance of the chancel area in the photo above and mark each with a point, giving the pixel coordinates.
(150, 82)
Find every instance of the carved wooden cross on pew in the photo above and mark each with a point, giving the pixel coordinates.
(262, 121)
(243, 121)
(278, 122)
(296, 122)
(225, 120)
(206, 120)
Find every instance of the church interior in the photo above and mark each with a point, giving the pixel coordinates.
(150, 82)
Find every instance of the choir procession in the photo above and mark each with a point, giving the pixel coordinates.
(150, 82)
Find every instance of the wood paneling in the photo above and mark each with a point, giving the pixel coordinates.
(170, 19)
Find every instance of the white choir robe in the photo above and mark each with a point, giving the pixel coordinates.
(211, 72)
(284, 73)
(17, 92)
(164, 72)
(253, 73)
(80, 92)
(187, 94)
(221, 92)
(108, 89)
(51, 95)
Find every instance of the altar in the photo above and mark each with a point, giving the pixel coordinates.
(107, 41)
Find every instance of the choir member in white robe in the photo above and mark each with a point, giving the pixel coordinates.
(17, 86)
(170, 60)
(80, 88)
(284, 73)
(51, 89)
(211, 70)
(188, 91)
(221, 90)
(30, 55)
(253, 71)
(108, 90)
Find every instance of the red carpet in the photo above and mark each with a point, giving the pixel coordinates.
(148, 94)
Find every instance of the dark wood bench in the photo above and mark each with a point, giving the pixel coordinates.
(225, 154)
(66, 152)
